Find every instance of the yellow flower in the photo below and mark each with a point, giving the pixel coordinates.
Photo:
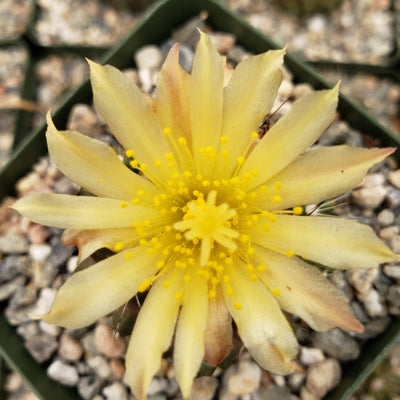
(212, 225)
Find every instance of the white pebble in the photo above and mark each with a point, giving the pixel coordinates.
(39, 252)
(63, 373)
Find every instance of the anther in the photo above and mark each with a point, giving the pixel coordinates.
(297, 210)
(130, 153)
(276, 292)
(289, 253)
(118, 246)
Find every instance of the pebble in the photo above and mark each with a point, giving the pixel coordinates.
(88, 343)
(39, 252)
(89, 386)
(393, 198)
(323, 376)
(373, 303)
(296, 380)
(50, 329)
(63, 373)
(310, 355)
(100, 366)
(389, 232)
(392, 271)
(246, 379)
(117, 367)
(83, 119)
(394, 178)
(158, 385)
(72, 264)
(107, 343)
(28, 329)
(16, 316)
(204, 388)
(23, 296)
(369, 197)
(386, 217)
(37, 234)
(336, 343)
(394, 295)
(148, 58)
(12, 265)
(45, 300)
(362, 279)
(13, 382)
(70, 349)
(7, 289)
(115, 391)
(13, 243)
(374, 327)
(186, 56)
(223, 42)
(274, 392)
(41, 346)
(394, 243)
(307, 394)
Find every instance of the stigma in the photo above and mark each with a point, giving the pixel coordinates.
(207, 222)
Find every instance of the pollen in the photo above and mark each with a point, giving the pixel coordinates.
(123, 204)
(254, 135)
(298, 210)
(276, 292)
(118, 246)
(289, 253)
(237, 305)
(182, 141)
(130, 153)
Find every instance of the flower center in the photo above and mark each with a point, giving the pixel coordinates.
(205, 221)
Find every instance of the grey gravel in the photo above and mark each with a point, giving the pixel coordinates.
(338, 344)
(89, 386)
(13, 243)
(41, 346)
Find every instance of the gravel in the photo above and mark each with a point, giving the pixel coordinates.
(34, 263)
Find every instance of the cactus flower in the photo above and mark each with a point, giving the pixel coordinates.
(207, 216)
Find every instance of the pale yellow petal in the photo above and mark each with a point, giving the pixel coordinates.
(248, 97)
(189, 337)
(331, 241)
(321, 174)
(129, 115)
(173, 97)
(82, 212)
(218, 336)
(96, 291)
(207, 81)
(90, 240)
(292, 134)
(261, 325)
(152, 333)
(94, 165)
(303, 290)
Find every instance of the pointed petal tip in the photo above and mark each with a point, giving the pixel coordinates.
(388, 151)
(49, 120)
(358, 327)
